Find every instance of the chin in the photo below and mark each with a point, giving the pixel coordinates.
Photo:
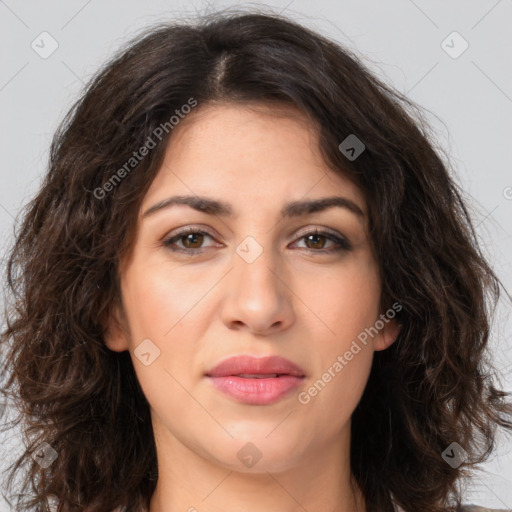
(247, 454)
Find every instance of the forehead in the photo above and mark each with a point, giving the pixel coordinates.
(256, 153)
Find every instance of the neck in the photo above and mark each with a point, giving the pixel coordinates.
(191, 482)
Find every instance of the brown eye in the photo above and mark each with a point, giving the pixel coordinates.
(189, 241)
(192, 240)
(317, 241)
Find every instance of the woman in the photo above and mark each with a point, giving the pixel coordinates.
(248, 282)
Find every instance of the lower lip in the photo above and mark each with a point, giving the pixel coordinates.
(256, 391)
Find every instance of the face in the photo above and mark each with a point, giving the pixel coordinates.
(253, 276)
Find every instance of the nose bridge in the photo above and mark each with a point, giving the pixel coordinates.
(255, 269)
(258, 296)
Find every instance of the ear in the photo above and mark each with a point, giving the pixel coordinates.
(116, 333)
(387, 335)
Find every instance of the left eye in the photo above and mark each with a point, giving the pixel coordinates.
(193, 239)
(319, 237)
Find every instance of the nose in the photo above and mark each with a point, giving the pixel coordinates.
(257, 296)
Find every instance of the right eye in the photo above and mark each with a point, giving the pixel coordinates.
(191, 238)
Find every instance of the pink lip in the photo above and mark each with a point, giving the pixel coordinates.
(257, 391)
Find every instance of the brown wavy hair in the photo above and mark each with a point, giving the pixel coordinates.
(435, 385)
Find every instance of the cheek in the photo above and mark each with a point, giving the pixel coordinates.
(159, 309)
(333, 393)
(158, 297)
(345, 301)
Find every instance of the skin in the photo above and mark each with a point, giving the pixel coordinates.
(291, 301)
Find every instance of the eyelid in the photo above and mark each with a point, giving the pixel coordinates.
(185, 230)
(318, 229)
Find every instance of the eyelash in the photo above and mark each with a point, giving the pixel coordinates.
(343, 243)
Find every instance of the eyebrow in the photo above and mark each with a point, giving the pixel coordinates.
(292, 209)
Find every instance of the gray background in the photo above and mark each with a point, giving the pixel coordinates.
(469, 99)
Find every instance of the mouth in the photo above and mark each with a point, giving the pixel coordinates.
(256, 381)
(260, 376)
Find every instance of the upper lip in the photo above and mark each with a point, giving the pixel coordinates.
(244, 364)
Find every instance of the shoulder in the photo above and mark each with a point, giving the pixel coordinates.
(472, 508)
(476, 508)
